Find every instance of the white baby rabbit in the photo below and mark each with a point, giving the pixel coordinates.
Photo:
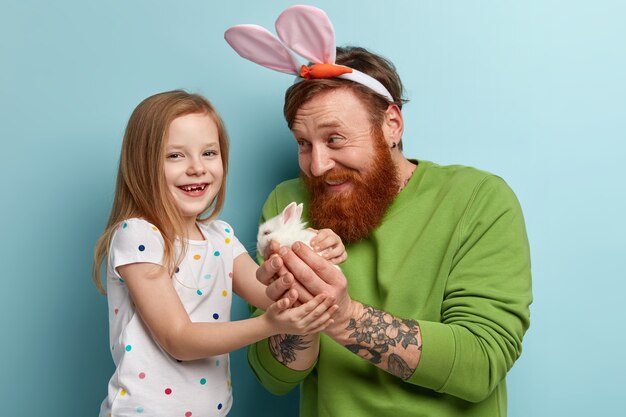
(286, 229)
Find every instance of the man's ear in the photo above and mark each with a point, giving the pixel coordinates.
(393, 125)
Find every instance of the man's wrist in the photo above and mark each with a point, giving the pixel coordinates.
(337, 330)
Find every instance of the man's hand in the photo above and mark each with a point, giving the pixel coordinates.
(280, 282)
(313, 276)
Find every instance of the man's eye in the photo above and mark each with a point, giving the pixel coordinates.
(334, 140)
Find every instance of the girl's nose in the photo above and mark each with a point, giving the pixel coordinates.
(196, 168)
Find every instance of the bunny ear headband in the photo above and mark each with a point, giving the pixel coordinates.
(307, 31)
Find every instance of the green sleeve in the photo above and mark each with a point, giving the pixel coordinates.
(274, 376)
(485, 311)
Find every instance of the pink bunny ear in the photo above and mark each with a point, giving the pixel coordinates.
(299, 209)
(258, 45)
(308, 31)
(289, 212)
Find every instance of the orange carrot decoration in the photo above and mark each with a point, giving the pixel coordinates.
(323, 71)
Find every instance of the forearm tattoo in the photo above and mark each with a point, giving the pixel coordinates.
(376, 332)
(284, 347)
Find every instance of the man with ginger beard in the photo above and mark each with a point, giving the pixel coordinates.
(434, 295)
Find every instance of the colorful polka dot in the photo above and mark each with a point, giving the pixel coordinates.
(219, 406)
(207, 276)
(227, 230)
(125, 225)
(154, 228)
(188, 414)
(202, 381)
(168, 391)
(117, 310)
(216, 253)
(140, 409)
(141, 248)
(128, 348)
(216, 316)
(230, 274)
(177, 270)
(224, 293)
(198, 292)
(142, 375)
(227, 241)
(121, 280)
(123, 392)
(196, 257)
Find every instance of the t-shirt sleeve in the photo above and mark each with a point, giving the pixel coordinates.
(238, 247)
(136, 241)
(229, 237)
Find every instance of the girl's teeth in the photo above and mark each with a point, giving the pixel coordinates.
(190, 188)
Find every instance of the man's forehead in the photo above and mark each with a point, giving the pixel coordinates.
(320, 115)
(316, 121)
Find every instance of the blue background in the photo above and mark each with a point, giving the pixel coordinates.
(531, 90)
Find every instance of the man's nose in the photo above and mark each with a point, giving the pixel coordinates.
(320, 162)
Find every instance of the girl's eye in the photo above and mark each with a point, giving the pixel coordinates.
(174, 156)
(210, 153)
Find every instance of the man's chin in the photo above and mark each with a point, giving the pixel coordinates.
(351, 212)
(339, 189)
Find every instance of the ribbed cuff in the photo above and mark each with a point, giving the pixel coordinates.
(279, 372)
(437, 358)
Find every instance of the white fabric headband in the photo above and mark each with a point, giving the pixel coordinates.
(307, 31)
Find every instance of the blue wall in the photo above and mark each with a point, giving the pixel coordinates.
(532, 90)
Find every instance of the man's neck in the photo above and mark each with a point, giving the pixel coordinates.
(405, 169)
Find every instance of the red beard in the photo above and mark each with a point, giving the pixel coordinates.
(354, 214)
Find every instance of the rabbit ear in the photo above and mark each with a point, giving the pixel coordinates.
(307, 30)
(289, 213)
(299, 208)
(258, 45)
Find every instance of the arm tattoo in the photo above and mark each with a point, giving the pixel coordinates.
(376, 332)
(284, 347)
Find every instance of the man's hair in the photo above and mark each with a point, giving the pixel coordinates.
(359, 59)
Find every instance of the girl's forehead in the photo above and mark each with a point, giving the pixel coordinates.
(193, 129)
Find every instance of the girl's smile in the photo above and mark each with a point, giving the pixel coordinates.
(194, 190)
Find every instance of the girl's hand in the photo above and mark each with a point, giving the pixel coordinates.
(311, 317)
(329, 246)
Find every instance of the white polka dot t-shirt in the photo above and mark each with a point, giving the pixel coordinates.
(148, 381)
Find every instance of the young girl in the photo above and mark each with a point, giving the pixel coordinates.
(170, 273)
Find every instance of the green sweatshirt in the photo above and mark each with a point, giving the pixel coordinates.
(451, 253)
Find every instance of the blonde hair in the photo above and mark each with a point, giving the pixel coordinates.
(140, 190)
